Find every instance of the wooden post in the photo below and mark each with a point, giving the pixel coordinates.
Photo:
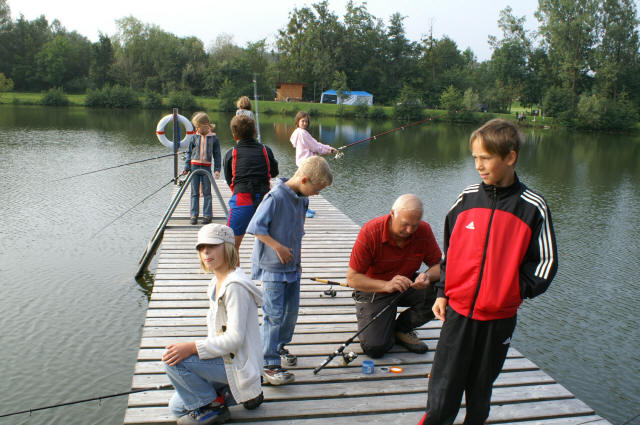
(176, 142)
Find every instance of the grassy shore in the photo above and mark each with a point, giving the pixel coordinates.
(291, 108)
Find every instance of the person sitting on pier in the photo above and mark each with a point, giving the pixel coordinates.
(230, 357)
(248, 169)
(499, 248)
(385, 260)
(278, 226)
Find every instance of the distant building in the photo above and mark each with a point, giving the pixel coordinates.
(289, 92)
(351, 97)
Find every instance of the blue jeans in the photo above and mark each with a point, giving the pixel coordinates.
(196, 381)
(279, 316)
(206, 192)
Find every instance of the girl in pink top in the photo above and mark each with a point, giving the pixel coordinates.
(304, 142)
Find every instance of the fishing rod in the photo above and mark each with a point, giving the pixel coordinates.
(374, 137)
(351, 356)
(331, 292)
(118, 217)
(157, 387)
(115, 166)
(255, 97)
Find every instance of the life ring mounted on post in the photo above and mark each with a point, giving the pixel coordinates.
(166, 120)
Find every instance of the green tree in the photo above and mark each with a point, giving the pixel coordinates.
(6, 84)
(451, 100)
(103, 58)
(568, 28)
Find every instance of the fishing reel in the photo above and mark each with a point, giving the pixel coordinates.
(339, 155)
(330, 292)
(348, 357)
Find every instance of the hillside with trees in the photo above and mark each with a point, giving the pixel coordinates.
(581, 65)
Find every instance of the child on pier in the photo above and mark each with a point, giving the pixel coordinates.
(499, 248)
(203, 147)
(230, 355)
(278, 226)
(306, 145)
(248, 169)
(244, 107)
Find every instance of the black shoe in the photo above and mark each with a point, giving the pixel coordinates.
(194, 220)
(206, 220)
(254, 402)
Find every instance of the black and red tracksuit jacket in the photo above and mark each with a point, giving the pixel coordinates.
(249, 167)
(499, 248)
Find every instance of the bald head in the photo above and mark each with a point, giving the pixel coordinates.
(409, 202)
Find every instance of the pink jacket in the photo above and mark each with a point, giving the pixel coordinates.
(306, 145)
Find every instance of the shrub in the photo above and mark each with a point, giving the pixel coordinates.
(362, 110)
(556, 100)
(151, 100)
(182, 100)
(377, 112)
(408, 105)
(451, 100)
(55, 97)
(112, 97)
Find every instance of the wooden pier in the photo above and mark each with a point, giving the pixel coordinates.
(339, 394)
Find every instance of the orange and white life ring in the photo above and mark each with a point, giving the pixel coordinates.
(166, 120)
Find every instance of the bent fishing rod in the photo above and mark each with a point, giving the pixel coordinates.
(29, 411)
(349, 357)
(116, 166)
(121, 215)
(374, 137)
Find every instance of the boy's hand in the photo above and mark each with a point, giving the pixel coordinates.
(184, 172)
(175, 353)
(285, 254)
(439, 308)
(216, 174)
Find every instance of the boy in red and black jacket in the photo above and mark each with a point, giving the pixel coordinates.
(499, 248)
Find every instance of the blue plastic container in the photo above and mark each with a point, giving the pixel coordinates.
(367, 367)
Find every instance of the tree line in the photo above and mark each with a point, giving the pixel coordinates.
(580, 65)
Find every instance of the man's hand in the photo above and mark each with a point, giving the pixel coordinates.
(439, 308)
(399, 283)
(216, 174)
(175, 353)
(422, 281)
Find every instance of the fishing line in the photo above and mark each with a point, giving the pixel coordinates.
(99, 399)
(374, 137)
(118, 217)
(115, 166)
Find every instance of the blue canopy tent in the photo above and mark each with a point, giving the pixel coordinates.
(351, 97)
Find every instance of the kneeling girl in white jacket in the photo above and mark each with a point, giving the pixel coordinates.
(231, 355)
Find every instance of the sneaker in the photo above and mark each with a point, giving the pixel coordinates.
(287, 358)
(254, 402)
(411, 342)
(206, 415)
(194, 220)
(276, 375)
(206, 220)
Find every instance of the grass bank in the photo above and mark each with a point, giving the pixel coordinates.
(289, 109)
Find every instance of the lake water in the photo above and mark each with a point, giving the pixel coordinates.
(72, 311)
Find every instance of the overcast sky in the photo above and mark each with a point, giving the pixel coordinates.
(467, 22)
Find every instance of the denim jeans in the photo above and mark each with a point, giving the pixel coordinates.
(195, 192)
(279, 316)
(196, 382)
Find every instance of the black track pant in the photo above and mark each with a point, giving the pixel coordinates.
(469, 357)
(379, 337)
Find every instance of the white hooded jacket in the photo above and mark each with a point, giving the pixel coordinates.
(233, 333)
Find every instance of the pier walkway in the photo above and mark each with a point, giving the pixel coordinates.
(339, 394)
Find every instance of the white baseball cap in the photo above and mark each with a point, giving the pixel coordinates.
(215, 234)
